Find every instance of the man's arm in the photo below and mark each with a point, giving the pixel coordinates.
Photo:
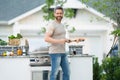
(49, 39)
(77, 40)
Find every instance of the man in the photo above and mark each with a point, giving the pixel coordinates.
(56, 36)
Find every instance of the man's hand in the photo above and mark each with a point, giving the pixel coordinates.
(63, 41)
(80, 39)
(77, 40)
(68, 41)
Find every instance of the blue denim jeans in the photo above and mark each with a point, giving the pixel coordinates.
(58, 60)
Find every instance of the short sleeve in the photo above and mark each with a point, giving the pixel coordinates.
(50, 29)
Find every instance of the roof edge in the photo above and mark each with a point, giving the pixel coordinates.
(100, 15)
(25, 14)
(84, 6)
(3, 23)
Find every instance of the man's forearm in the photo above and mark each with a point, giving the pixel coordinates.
(57, 41)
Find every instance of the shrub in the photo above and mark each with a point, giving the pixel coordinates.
(97, 70)
(111, 68)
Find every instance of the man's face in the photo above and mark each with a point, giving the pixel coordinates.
(58, 14)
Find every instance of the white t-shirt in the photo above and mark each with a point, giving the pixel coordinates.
(58, 32)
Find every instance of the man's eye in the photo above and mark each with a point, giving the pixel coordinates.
(58, 13)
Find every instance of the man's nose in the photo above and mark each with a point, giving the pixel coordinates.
(60, 15)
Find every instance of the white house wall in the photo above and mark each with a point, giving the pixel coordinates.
(5, 31)
(94, 29)
(84, 18)
(30, 28)
(34, 21)
(109, 39)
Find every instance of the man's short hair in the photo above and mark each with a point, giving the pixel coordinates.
(58, 7)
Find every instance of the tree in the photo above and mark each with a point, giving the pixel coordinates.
(48, 11)
(69, 13)
(111, 8)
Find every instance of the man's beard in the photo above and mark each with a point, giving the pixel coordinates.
(59, 18)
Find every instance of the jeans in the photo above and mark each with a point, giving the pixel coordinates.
(58, 60)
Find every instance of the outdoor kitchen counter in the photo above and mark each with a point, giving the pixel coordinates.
(30, 56)
(81, 67)
(27, 56)
(18, 67)
(15, 68)
(81, 55)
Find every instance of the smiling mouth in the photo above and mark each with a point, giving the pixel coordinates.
(59, 17)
